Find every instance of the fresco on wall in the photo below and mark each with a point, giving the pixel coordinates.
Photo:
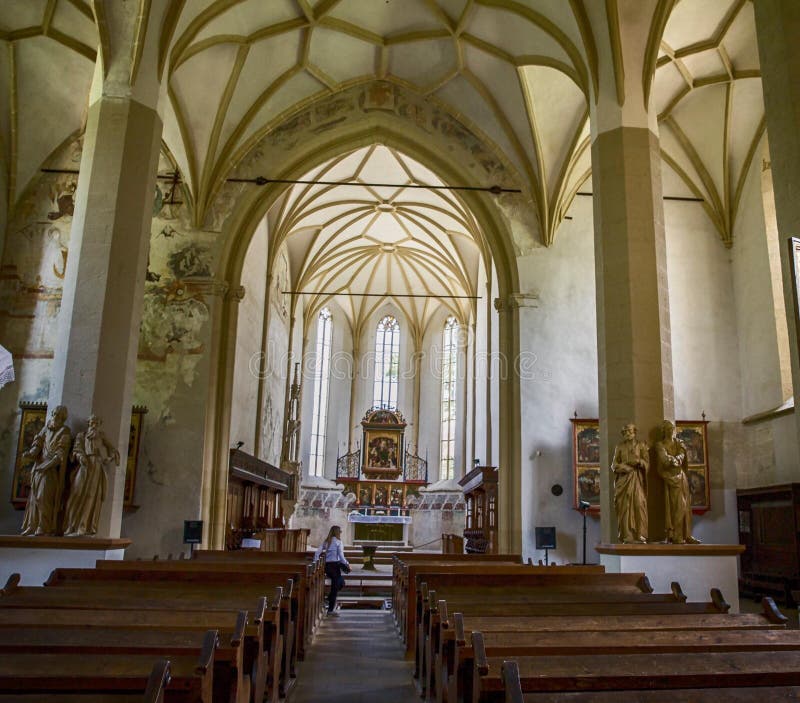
(174, 334)
(467, 148)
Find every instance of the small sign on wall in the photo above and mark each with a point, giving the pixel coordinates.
(192, 531)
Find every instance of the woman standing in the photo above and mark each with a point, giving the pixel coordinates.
(334, 563)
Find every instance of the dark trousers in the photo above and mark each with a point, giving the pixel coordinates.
(333, 571)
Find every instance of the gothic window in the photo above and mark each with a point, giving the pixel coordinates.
(387, 363)
(322, 384)
(448, 429)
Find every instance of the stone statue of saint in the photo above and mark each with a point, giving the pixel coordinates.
(49, 450)
(630, 464)
(672, 465)
(93, 452)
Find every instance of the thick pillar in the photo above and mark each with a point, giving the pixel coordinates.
(777, 29)
(633, 327)
(509, 479)
(355, 375)
(95, 358)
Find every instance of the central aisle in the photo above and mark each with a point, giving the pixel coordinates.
(356, 658)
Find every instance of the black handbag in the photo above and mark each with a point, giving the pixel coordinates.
(345, 568)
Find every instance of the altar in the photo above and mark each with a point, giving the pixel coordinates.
(375, 525)
(385, 478)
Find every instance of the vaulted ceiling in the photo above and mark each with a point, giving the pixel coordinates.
(516, 71)
(363, 244)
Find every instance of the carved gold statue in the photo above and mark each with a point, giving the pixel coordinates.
(93, 452)
(49, 451)
(672, 465)
(630, 464)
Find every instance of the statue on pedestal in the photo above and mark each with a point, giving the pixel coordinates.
(629, 466)
(94, 452)
(672, 465)
(50, 450)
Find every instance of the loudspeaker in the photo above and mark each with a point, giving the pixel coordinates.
(192, 531)
(545, 537)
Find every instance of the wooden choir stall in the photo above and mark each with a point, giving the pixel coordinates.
(480, 495)
(255, 492)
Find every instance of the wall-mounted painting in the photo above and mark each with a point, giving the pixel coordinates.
(586, 462)
(34, 415)
(694, 435)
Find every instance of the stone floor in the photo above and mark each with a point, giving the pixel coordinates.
(356, 658)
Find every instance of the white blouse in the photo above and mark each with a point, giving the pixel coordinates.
(334, 552)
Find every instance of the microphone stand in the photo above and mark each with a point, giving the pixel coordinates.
(583, 512)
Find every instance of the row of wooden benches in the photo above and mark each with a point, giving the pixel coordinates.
(565, 633)
(231, 626)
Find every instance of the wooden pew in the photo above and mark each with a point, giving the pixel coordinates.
(307, 578)
(454, 659)
(158, 680)
(190, 678)
(242, 640)
(193, 582)
(577, 595)
(230, 685)
(176, 607)
(316, 586)
(692, 644)
(545, 588)
(408, 581)
(402, 561)
(753, 674)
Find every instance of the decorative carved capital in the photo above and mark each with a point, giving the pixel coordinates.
(515, 301)
(236, 294)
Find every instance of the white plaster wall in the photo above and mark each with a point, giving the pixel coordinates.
(767, 450)
(244, 408)
(705, 361)
(758, 349)
(558, 344)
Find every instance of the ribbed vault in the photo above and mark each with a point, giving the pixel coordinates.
(518, 72)
(364, 244)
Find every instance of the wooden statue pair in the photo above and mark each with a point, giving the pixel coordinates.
(51, 451)
(630, 465)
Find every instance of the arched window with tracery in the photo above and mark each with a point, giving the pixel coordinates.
(387, 363)
(449, 368)
(322, 382)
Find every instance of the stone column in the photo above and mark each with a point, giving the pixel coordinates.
(95, 357)
(474, 385)
(462, 469)
(489, 348)
(509, 479)
(777, 28)
(633, 326)
(416, 360)
(356, 373)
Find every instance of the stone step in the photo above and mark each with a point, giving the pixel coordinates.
(346, 602)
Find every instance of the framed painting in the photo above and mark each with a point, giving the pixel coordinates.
(33, 418)
(382, 453)
(694, 436)
(134, 442)
(586, 463)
